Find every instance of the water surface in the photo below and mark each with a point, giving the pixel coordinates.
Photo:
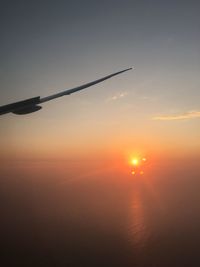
(96, 214)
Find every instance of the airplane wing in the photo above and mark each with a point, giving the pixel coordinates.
(32, 104)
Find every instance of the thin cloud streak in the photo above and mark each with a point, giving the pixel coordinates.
(117, 96)
(184, 116)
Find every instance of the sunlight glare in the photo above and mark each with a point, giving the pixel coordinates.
(135, 161)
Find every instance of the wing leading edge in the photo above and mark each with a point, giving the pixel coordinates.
(32, 104)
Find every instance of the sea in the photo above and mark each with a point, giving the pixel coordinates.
(90, 213)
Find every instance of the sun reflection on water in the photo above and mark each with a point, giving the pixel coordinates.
(138, 225)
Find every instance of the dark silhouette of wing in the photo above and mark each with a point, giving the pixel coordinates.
(32, 104)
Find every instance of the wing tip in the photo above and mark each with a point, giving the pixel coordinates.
(131, 68)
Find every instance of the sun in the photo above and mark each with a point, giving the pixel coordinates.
(138, 164)
(135, 161)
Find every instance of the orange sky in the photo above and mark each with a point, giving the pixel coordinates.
(153, 108)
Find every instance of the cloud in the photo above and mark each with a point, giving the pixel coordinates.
(148, 98)
(117, 96)
(184, 116)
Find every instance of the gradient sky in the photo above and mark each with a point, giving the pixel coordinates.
(47, 46)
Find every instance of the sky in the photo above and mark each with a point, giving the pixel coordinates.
(66, 182)
(48, 46)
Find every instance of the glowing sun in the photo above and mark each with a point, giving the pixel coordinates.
(137, 165)
(135, 161)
